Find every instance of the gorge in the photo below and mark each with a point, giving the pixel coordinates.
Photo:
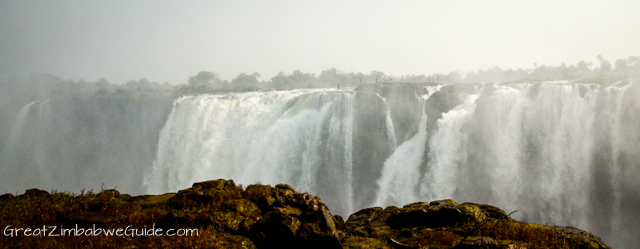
(563, 153)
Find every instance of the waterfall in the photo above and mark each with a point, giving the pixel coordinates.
(439, 180)
(303, 138)
(401, 171)
(559, 153)
(521, 153)
(71, 144)
(13, 147)
(391, 133)
(18, 126)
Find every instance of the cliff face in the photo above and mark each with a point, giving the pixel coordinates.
(559, 153)
(82, 141)
(262, 216)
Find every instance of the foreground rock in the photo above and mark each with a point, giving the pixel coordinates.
(448, 224)
(262, 216)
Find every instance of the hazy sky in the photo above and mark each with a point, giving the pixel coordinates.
(167, 41)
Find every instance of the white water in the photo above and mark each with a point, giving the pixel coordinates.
(391, 131)
(18, 126)
(21, 131)
(525, 151)
(449, 153)
(549, 151)
(298, 137)
(558, 153)
(71, 144)
(401, 171)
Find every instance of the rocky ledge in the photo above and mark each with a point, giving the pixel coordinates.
(261, 216)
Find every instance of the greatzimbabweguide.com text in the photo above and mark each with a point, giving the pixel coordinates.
(55, 231)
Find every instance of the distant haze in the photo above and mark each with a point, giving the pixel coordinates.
(167, 41)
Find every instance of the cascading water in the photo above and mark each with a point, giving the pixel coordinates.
(18, 126)
(558, 153)
(526, 148)
(71, 144)
(401, 171)
(298, 137)
(450, 140)
(391, 133)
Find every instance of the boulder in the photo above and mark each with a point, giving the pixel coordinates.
(582, 238)
(229, 241)
(435, 214)
(261, 195)
(36, 192)
(6, 196)
(262, 216)
(278, 224)
(206, 193)
(363, 243)
(439, 224)
(370, 222)
(294, 220)
(444, 213)
(244, 207)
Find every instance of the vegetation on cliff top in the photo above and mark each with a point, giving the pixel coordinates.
(261, 216)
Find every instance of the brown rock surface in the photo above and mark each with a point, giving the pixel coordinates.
(261, 216)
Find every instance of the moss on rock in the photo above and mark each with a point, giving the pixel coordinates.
(262, 216)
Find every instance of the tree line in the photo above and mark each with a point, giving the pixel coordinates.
(16, 91)
(603, 72)
(41, 86)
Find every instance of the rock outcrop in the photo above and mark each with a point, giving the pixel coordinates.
(262, 216)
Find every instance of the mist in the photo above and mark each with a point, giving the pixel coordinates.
(546, 141)
(166, 41)
(529, 107)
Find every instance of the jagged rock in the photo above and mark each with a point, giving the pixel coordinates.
(225, 240)
(473, 242)
(288, 211)
(339, 222)
(261, 195)
(7, 196)
(249, 222)
(300, 219)
(219, 184)
(582, 238)
(152, 200)
(230, 221)
(442, 214)
(36, 192)
(262, 216)
(399, 245)
(363, 216)
(417, 237)
(273, 216)
(447, 224)
(209, 192)
(491, 211)
(373, 222)
(282, 193)
(363, 243)
(108, 193)
(276, 225)
(370, 222)
(320, 227)
(172, 220)
(242, 206)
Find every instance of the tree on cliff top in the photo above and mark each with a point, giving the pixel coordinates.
(204, 78)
